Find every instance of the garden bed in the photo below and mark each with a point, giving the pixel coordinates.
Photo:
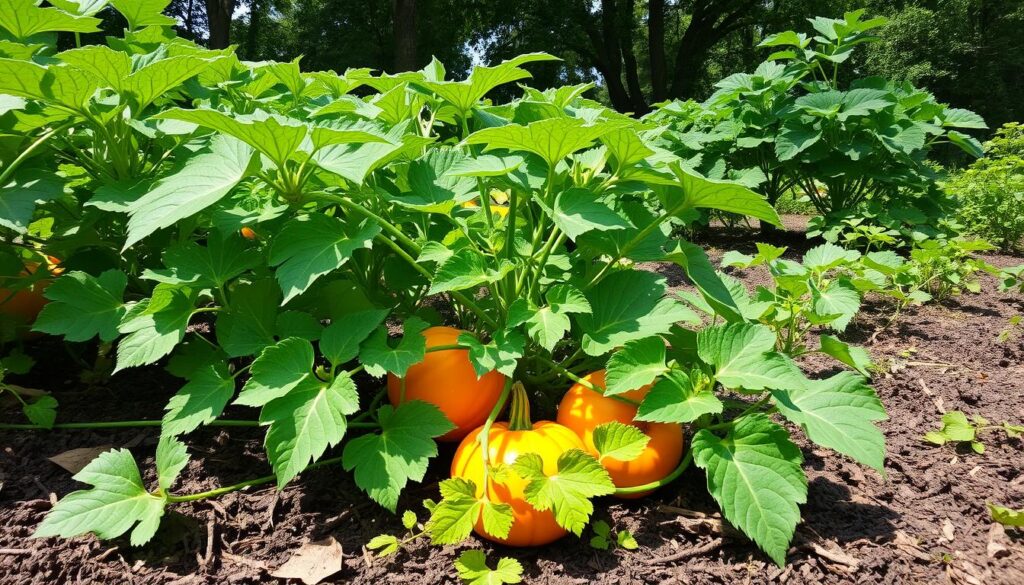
(926, 522)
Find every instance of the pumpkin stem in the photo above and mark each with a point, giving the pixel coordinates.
(519, 411)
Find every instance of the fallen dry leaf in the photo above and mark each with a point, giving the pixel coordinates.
(76, 459)
(996, 536)
(836, 555)
(313, 562)
(948, 530)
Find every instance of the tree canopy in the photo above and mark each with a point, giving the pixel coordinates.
(637, 52)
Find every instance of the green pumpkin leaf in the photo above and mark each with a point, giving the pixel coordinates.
(694, 260)
(279, 369)
(755, 476)
(826, 257)
(853, 356)
(311, 246)
(838, 413)
(385, 462)
(27, 189)
(83, 306)
(960, 118)
(472, 568)
(249, 323)
(743, 357)
(674, 400)
(578, 211)
(628, 305)
(637, 364)
(276, 137)
(42, 411)
(171, 458)
(298, 324)
(200, 401)
(23, 19)
(619, 441)
(839, 300)
(466, 268)
(552, 139)
(341, 340)
(154, 326)
(380, 358)
(117, 502)
(701, 192)
(81, 7)
(464, 95)
(501, 354)
(154, 80)
(306, 421)
(143, 13)
(568, 492)
(203, 180)
(111, 68)
(224, 257)
(433, 189)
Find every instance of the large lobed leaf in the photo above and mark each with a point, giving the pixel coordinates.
(755, 476)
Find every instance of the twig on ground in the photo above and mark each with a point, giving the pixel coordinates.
(687, 553)
(15, 551)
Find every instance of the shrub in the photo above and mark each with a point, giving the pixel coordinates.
(990, 193)
(856, 148)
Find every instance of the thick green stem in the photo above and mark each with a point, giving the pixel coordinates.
(407, 243)
(244, 484)
(25, 154)
(685, 463)
(648, 230)
(519, 411)
(485, 432)
(568, 374)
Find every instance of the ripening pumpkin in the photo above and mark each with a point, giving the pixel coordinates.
(506, 442)
(248, 233)
(24, 305)
(447, 380)
(583, 409)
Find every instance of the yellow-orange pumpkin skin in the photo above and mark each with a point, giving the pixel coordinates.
(547, 439)
(24, 306)
(447, 380)
(583, 409)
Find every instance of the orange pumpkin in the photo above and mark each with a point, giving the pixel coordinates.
(583, 409)
(447, 380)
(24, 305)
(505, 443)
(248, 233)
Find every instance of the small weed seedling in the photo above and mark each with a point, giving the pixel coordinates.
(603, 538)
(958, 428)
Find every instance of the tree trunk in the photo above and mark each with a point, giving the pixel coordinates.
(255, 23)
(218, 14)
(627, 22)
(656, 48)
(404, 26)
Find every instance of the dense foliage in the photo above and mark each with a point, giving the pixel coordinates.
(990, 193)
(327, 231)
(859, 153)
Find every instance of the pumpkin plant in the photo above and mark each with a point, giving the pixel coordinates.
(415, 231)
(857, 148)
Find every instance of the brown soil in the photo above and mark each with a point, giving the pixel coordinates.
(925, 522)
